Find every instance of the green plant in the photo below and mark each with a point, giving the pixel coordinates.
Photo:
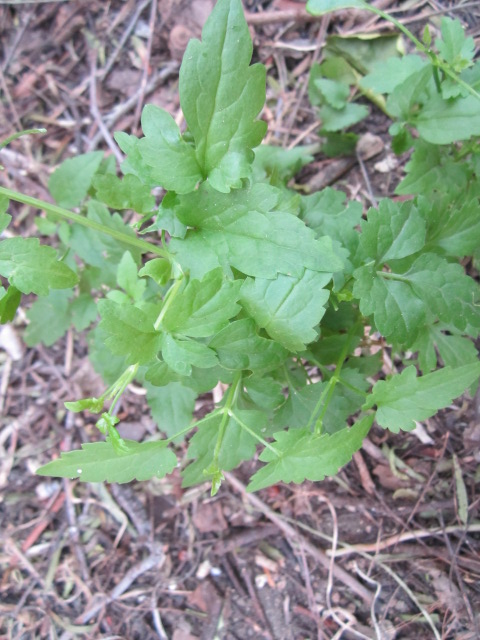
(278, 296)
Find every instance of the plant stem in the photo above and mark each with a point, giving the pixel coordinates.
(244, 426)
(143, 245)
(167, 301)
(435, 60)
(232, 392)
(19, 134)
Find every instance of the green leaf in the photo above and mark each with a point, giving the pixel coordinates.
(299, 407)
(237, 444)
(100, 250)
(9, 303)
(286, 308)
(319, 7)
(450, 294)
(171, 406)
(306, 456)
(32, 267)
(83, 311)
(158, 269)
(431, 286)
(94, 405)
(265, 392)
(71, 181)
(127, 277)
(171, 160)
(444, 121)
(98, 462)
(333, 92)
(393, 231)
(204, 306)
(128, 193)
(338, 119)
(454, 47)
(397, 311)
(239, 346)
(181, 355)
(277, 164)
(129, 332)
(432, 168)
(454, 350)
(386, 75)
(454, 227)
(245, 231)
(221, 97)
(49, 319)
(406, 398)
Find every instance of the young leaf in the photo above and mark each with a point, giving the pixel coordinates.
(181, 355)
(303, 455)
(98, 462)
(94, 405)
(70, 183)
(394, 231)
(245, 231)
(171, 160)
(445, 121)
(158, 269)
(237, 444)
(406, 398)
(204, 306)
(9, 303)
(454, 47)
(49, 319)
(127, 277)
(221, 96)
(286, 308)
(32, 267)
(128, 193)
(239, 346)
(171, 406)
(129, 332)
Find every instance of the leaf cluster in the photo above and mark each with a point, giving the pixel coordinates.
(276, 298)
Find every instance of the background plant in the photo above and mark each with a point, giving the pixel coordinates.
(258, 287)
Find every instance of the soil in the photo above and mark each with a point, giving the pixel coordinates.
(390, 549)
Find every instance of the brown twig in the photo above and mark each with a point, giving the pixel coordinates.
(319, 555)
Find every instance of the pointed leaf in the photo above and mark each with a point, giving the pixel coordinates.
(306, 456)
(70, 182)
(98, 462)
(406, 398)
(286, 308)
(32, 267)
(221, 96)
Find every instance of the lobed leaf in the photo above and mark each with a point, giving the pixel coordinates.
(303, 455)
(32, 267)
(99, 462)
(285, 306)
(221, 97)
(407, 398)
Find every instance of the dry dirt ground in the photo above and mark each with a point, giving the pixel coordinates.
(383, 551)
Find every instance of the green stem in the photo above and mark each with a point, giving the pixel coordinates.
(169, 298)
(211, 415)
(392, 276)
(121, 384)
(421, 47)
(19, 134)
(232, 393)
(143, 245)
(254, 435)
(327, 393)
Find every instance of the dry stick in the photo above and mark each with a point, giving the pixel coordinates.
(273, 17)
(156, 557)
(403, 537)
(289, 531)
(116, 113)
(16, 40)
(320, 39)
(96, 113)
(110, 62)
(146, 65)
